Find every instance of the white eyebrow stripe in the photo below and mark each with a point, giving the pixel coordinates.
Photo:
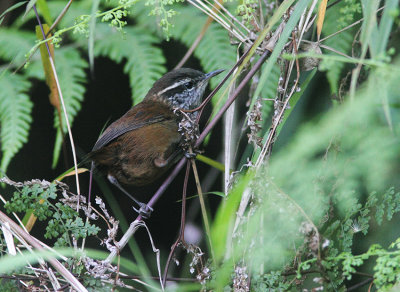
(173, 86)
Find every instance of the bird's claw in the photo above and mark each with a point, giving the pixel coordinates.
(144, 210)
(190, 155)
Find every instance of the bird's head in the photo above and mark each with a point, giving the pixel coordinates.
(181, 88)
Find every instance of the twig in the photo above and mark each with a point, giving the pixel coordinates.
(233, 30)
(194, 45)
(63, 104)
(277, 119)
(231, 99)
(181, 236)
(58, 19)
(54, 262)
(347, 27)
(361, 284)
(202, 205)
(211, 95)
(133, 227)
(198, 39)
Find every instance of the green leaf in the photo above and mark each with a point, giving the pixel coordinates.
(71, 73)
(269, 90)
(145, 62)
(214, 50)
(369, 25)
(341, 42)
(385, 26)
(92, 27)
(45, 11)
(295, 98)
(15, 115)
(14, 44)
(9, 9)
(225, 215)
(29, 7)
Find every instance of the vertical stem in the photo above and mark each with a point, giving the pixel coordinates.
(203, 207)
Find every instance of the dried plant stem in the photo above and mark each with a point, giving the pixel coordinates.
(181, 236)
(230, 27)
(198, 39)
(348, 27)
(277, 119)
(58, 19)
(54, 262)
(203, 206)
(195, 44)
(63, 105)
(232, 98)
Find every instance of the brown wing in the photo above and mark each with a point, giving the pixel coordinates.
(141, 115)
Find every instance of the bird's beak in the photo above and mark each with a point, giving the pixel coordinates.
(212, 74)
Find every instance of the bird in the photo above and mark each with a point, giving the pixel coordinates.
(145, 142)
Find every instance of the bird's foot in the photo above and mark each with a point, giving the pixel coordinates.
(191, 155)
(144, 210)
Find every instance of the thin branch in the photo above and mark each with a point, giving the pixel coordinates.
(347, 27)
(232, 16)
(231, 99)
(202, 205)
(63, 104)
(58, 19)
(361, 284)
(54, 262)
(204, 8)
(181, 236)
(133, 227)
(195, 44)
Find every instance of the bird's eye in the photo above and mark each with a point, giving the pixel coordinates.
(188, 85)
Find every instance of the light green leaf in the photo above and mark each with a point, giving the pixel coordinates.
(13, 7)
(14, 44)
(15, 115)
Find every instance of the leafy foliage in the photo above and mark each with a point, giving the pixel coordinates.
(312, 193)
(349, 10)
(144, 61)
(70, 67)
(341, 42)
(214, 50)
(333, 180)
(14, 44)
(15, 115)
(63, 223)
(165, 15)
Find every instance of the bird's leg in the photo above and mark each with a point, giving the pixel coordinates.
(144, 210)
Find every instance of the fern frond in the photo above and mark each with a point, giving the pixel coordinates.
(55, 7)
(71, 73)
(341, 42)
(15, 115)
(214, 50)
(14, 44)
(145, 62)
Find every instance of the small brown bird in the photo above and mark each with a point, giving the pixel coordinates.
(140, 146)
